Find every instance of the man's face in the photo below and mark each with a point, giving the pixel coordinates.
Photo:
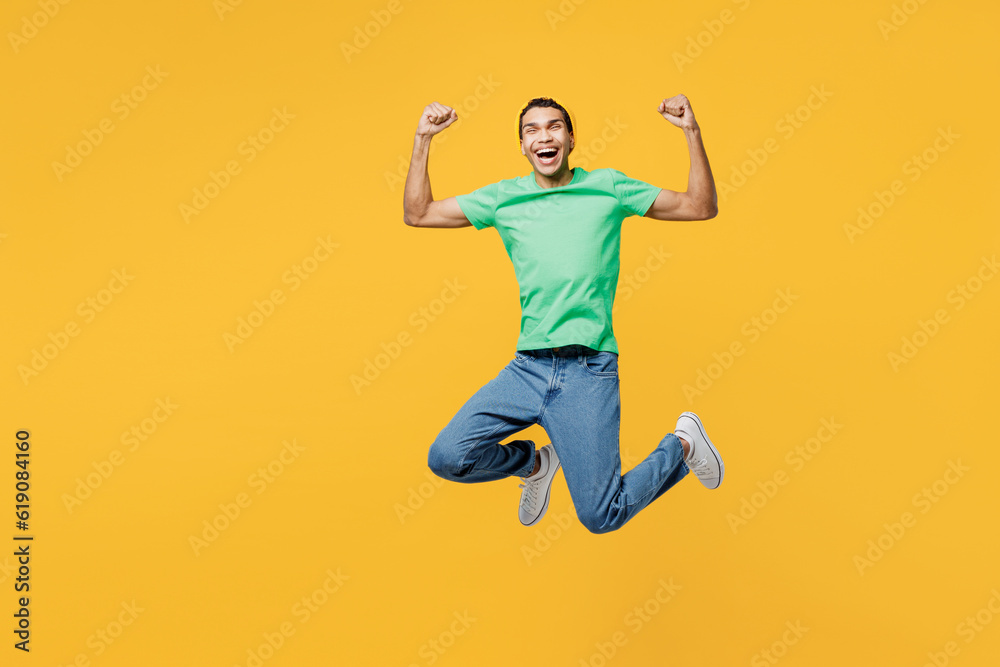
(545, 140)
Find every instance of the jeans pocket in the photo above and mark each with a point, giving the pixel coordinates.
(522, 358)
(601, 364)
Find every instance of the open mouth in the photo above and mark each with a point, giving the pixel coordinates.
(547, 156)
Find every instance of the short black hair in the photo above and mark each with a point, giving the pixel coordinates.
(543, 102)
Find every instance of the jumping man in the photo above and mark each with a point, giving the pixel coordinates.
(562, 230)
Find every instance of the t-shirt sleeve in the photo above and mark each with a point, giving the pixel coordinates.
(480, 206)
(635, 196)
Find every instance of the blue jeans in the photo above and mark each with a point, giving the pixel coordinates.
(573, 393)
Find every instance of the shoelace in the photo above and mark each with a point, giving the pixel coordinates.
(699, 467)
(528, 496)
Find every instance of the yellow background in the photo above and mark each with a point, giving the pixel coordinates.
(553, 594)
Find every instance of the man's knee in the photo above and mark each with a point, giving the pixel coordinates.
(596, 522)
(443, 460)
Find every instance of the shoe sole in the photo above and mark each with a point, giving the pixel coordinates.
(715, 452)
(545, 505)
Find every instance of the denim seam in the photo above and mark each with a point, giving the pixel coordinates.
(548, 391)
(645, 500)
(527, 359)
(621, 475)
(642, 502)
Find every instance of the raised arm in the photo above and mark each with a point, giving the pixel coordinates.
(419, 207)
(700, 201)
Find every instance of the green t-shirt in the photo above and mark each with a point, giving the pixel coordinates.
(564, 244)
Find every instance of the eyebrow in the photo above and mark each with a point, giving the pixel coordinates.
(554, 120)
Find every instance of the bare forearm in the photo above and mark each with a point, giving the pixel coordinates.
(701, 184)
(417, 194)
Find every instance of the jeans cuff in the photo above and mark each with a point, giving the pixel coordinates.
(531, 462)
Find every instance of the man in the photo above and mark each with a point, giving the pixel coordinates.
(562, 230)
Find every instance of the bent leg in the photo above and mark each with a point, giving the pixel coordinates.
(468, 449)
(584, 422)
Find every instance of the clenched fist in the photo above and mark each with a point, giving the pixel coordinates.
(435, 118)
(678, 111)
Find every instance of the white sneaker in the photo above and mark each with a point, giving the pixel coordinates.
(703, 458)
(535, 496)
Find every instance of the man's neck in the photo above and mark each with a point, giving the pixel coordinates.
(555, 180)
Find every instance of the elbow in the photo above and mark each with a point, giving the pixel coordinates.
(700, 207)
(702, 213)
(709, 209)
(414, 215)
